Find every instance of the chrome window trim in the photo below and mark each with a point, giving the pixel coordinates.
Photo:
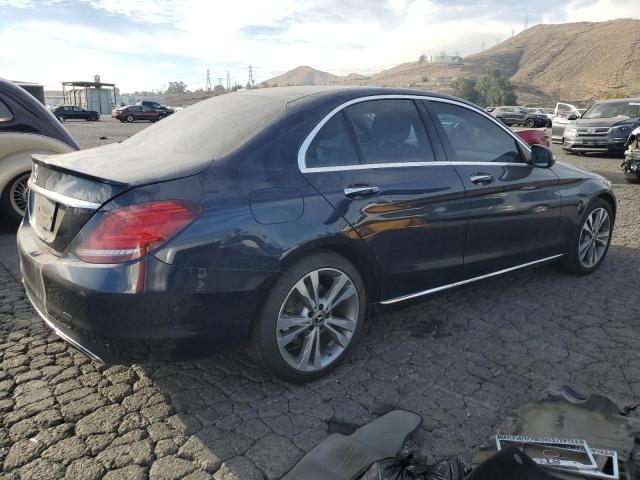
(302, 152)
(59, 198)
(464, 282)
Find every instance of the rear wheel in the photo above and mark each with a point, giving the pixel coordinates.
(311, 318)
(16, 197)
(590, 243)
(530, 123)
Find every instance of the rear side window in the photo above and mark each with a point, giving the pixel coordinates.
(332, 146)
(473, 137)
(390, 131)
(5, 113)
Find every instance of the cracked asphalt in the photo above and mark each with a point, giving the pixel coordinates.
(462, 360)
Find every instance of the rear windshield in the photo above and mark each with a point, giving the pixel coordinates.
(613, 109)
(211, 128)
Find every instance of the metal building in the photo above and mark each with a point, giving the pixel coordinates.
(95, 95)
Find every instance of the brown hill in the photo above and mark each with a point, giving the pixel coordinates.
(575, 62)
(302, 76)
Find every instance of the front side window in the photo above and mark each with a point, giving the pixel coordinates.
(390, 131)
(332, 146)
(5, 112)
(473, 137)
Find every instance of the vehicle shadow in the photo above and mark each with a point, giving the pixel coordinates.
(461, 359)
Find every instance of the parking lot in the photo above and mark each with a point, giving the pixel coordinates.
(463, 361)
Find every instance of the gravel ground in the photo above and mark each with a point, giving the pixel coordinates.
(462, 360)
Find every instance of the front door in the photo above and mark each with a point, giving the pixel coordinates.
(514, 208)
(376, 164)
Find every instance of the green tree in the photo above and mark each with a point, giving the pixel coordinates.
(425, 79)
(467, 88)
(176, 87)
(494, 89)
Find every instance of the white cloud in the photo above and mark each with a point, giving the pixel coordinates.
(143, 44)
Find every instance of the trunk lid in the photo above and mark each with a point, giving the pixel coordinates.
(67, 189)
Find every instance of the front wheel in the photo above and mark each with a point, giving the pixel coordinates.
(130, 118)
(311, 318)
(530, 123)
(15, 197)
(61, 118)
(590, 243)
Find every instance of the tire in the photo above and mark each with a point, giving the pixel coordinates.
(574, 262)
(13, 202)
(131, 118)
(530, 123)
(61, 118)
(287, 323)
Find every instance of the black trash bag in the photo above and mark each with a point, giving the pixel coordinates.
(406, 467)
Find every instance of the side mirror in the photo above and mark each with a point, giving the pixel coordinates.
(573, 116)
(541, 156)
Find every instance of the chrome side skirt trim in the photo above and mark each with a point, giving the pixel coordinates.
(61, 334)
(59, 198)
(464, 282)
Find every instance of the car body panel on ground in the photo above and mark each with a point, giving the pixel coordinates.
(417, 191)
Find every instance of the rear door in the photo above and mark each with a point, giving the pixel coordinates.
(377, 163)
(514, 208)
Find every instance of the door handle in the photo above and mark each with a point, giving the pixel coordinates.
(481, 178)
(361, 191)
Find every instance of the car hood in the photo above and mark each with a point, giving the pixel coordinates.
(604, 122)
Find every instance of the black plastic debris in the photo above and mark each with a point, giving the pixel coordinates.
(406, 467)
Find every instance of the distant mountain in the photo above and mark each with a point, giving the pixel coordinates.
(574, 62)
(302, 76)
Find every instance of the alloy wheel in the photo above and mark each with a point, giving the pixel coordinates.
(130, 119)
(594, 238)
(317, 319)
(19, 194)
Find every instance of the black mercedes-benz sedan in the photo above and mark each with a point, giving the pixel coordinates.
(279, 216)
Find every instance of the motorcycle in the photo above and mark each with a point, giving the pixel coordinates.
(631, 164)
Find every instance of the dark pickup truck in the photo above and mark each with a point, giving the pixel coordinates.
(604, 127)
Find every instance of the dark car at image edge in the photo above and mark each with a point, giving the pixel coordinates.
(133, 113)
(279, 216)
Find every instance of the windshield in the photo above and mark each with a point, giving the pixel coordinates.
(613, 109)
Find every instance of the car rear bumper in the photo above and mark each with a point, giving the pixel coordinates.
(141, 311)
(593, 144)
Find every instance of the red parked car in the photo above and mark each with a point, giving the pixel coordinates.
(534, 136)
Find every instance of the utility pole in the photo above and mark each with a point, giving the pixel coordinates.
(526, 22)
(513, 32)
(208, 85)
(228, 81)
(220, 81)
(250, 82)
(483, 45)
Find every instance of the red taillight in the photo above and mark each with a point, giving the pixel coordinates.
(131, 232)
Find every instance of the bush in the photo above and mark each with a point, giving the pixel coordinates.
(492, 89)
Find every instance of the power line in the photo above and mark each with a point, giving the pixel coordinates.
(208, 85)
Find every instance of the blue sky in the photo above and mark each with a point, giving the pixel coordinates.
(144, 44)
